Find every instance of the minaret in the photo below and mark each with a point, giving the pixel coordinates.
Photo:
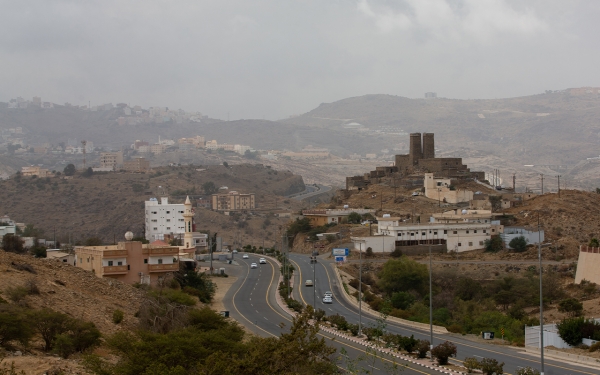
(188, 239)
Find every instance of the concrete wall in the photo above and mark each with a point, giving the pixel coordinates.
(530, 236)
(422, 249)
(588, 265)
(379, 244)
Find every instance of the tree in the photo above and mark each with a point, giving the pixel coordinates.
(496, 202)
(571, 306)
(93, 241)
(88, 172)
(444, 351)
(571, 330)
(209, 187)
(422, 348)
(225, 164)
(13, 326)
(38, 250)
(494, 244)
(354, 218)
(467, 289)
(12, 243)
(403, 274)
(594, 243)
(31, 231)
(402, 300)
(48, 324)
(527, 371)
(518, 244)
(69, 170)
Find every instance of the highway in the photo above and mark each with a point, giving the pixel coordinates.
(251, 300)
(326, 281)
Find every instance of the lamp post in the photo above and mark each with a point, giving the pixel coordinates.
(541, 300)
(430, 307)
(360, 289)
(315, 284)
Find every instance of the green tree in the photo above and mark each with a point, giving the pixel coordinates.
(354, 218)
(490, 366)
(12, 243)
(48, 324)
(31, 231)
(444, 351)
(571, 306)
(518, 244)
(467, 289)
(69, 170)
(225, 164)
(209, 187)
(403, 274)
(571, 330)
(594, 243)
(494, 244)
(13, 326)
(88, 172)
(38, 250)
(402, 300)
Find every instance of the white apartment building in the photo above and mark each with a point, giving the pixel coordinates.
(163, 218)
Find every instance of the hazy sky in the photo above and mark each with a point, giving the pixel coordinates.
(275, 58)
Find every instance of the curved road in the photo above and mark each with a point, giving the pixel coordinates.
(251, 301)
(324, 280)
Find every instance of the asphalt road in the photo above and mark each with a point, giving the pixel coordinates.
(324, 280)
(251, 301)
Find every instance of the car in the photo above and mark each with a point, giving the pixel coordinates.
(328, 294)
(235, 251)
(415, 193)
(245, 256)
(308, 283)
(254, 265)
(327, 300)
(262, 261)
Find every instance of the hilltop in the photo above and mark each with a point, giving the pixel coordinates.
(108, 205)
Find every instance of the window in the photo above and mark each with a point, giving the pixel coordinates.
(435, 233)
(155, 228)
(80, 260)
(145, 261)
(168, 227)
(474, 231)
(160, 261)
(445, 231)
(412, 234)
(154, 220)
(168, 212)
(470, 243)
(459, 244)
(88, 259)
(119, 263)
(181, 219)
(168, 220)
(154, 212)
(467, 232)
(180, 212)
(480, 243)
(455, 232)
(110, 262)
(493, 230)
(422, 233)
(484, 231)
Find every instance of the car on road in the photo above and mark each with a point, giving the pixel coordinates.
(245, 256)
(254, 265)
(328, 294)
(327, 299)
(235, 251)
(262, 261)
(308, 283)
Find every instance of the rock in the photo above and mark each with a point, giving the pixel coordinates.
(17, 353)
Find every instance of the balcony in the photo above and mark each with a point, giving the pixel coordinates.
(163, 267)
(114, 253)
(162, 251)
(114, 270)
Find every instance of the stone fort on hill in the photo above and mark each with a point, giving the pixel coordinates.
(420, 159)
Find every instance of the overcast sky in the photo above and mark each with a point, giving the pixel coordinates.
(275, 58)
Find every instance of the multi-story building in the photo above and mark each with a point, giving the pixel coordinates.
(112, 160)
(163, 218)
(33, 171)
(130, 261)
(327, 216)
(158, 148)
(136, 165)
(233, 201)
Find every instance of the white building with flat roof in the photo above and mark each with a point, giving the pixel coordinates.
(163, 218)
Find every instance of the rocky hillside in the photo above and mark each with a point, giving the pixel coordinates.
(108, 205)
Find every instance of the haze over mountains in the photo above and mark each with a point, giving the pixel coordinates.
(556, 132)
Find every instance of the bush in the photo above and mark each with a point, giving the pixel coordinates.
(49, 324)
(571, 306)
(527, 371)
(118, 316)
(490, 366)
(16, 293)
(518, 244)
(369, 252)
(570, 330)
(319, 314)
(403, 274)
(494, 244)
(444, 351)
(422, 348)
(12, 243)
(595, 347)
(471, 364)
(407, 343)
(353, 328)
(339, 321)
(13, 326)
(32, 286)
(402, 300)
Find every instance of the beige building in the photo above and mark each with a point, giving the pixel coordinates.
(137, 165)
(130, 261)
(34, 171)
(588, 265)
(112, 160)
(233, 201)
(439, 189)
(328, 216)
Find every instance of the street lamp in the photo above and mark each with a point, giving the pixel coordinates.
(360, 289)
(541, 299)
(315, 284)
(430, 306)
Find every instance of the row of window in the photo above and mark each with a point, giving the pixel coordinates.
(471, 243)
(168, 228)
(168, 212)
(435, 233)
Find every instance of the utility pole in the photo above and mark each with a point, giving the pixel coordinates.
(360, 289)
(514, 178)
(542, 177)
(430, 306)
(541, 299)
(381, 200)
(558, 185)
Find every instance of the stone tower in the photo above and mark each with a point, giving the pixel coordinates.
(428, 146)
(415, 152)
(188, 238)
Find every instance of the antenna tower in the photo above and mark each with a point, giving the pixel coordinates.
(83, 143)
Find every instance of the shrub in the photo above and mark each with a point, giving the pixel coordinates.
(408, 343)
(16, 293)
(339, 321)
(12, 243)
(49, 324)
(23, 267)
(518, 244)
(319, 314)
(570, 330)
(369, 252)
(422, 348)
(397, 253)
(13, 326)
(118, 316)
(494, 244)
(490, 366)
(471, 364)
(402, 300)
(527, 371)
(571, 306)
(353, 328)
(403, 274)
(594, 347)
(444, 351)
(32, 286)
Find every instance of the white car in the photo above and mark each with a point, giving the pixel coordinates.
(262, 261)
(308, 283)
(327, 299)
(328, 294)
(245, 256)
(235, 251)
(254, 265)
